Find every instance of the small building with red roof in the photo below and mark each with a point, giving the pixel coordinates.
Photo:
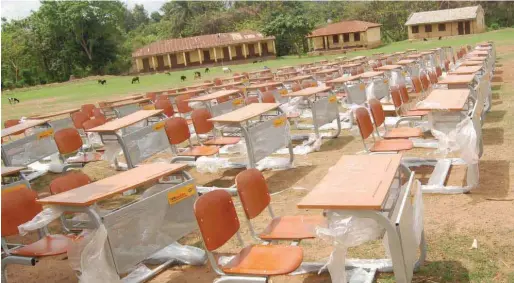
(345, 35)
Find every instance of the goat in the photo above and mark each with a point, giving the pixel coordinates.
(135, 79)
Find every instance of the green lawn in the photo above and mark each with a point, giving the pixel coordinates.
(65, 95)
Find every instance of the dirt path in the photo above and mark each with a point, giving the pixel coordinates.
(452, 222)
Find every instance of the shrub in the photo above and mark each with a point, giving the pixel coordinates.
(494, 26)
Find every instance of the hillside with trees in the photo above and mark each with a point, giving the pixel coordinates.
(83, 38)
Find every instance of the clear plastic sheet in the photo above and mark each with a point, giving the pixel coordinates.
(291, 107)
(377, 89)
(206, 164)
(42, 219)
(274, 163)
(180, 253)
(345, 231)
(356, 94)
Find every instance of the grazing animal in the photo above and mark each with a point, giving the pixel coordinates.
(440, 37)
(102, 82)
(135, 79)
(168, 73)
(207, 70)
(198, 75)
(254, 62)
(424, 39)
(182, 78)
(227, 70)
(13, 100)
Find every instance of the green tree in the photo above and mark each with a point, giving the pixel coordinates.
(292, 29)
(156, 17)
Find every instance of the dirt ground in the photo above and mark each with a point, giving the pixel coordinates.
(452, 222)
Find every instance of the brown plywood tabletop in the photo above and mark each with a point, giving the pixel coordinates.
(472, 63)
(480, 53)
(187, 92)
(190, 87)
(261, 78)
(389, 67)
(415, 56)
(351, 65)
(466, 70)
(137, 101)
(231, 84)
(125, 121)
(444, 99)
(344, 79)
(405, 62)
(119, 183)
(367, 75)
(260, 71)
(486, 48)
(232, 78)
(456, 79)
(309, 91)
(7, 171)
(285, 68)
(23, 126)
(298, 78)
(327, 71)
(245, 113)
(476, 58)
(214, 95)
(267, 84)
(115, 100)
(55, 114)
(356, 58)
(355, 182)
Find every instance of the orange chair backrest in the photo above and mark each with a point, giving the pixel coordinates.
(70, 181)
(89, 124)
(78, 119)
(177, 130)
(377, 111)
(217, 81)
(68, 140)
(364, 122)
(88, 109)
(207, 82)
(433, 77)
(97, 113)
(216, 217)
(306, 84)
(395, 95)
(12, 123)
(18, 206)
(417, 84)
(447, 65)
(253, 192)
(438, 71)
(235, 74)
(151, 95)
(424, 81)
(296, 87)
(404, 93)
(355, 72)
(201, 121)
(251, 99)
(182, 104)
(273, 87)
(223, 98)
(166, 106)
(268, 97)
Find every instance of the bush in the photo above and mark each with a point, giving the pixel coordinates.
(494, 26)
(8, 84)
(21, 83)
(28, 77)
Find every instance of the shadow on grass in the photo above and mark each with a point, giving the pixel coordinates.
(495, 116)
(336, 144)
(494, 180)
(495, 95)
(493, 136)
(496, 87)
(284, 179)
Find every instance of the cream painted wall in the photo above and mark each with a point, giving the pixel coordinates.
(452, 29)
(373, 37)
(317, 42)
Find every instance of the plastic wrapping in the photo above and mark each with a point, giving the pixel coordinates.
(291, 107)
(31, 148)
(274, 163)
(94, 140)
(41, 220)
(345, 231)
(112, 151)
(356, 94)
(377, 89)
(238, 148)
(206, 164)
(268, 136)
(180, 253)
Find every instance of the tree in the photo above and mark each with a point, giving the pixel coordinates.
(156, 17)
(290, 28)
(137, 17)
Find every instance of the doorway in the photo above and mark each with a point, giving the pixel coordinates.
(146, 65)
(160, 63)
(239, 52)
(467, 27)
(461, 28)
(251, 50)
(226, 53)
(206, 56)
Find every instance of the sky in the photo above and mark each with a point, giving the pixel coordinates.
(19, 9)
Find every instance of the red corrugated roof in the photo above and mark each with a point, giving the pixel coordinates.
(343, 27)
(196, 42)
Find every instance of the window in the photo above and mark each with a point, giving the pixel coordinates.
(357, 36)
(428, 28)
(346, 37)
(442, 27)
(415, 29)
(335, 38)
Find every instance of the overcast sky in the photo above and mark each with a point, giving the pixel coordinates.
(19, 9)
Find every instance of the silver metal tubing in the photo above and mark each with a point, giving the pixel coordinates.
(235, 279)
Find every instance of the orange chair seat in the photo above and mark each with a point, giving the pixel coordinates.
(222, 141)
(411, 113)
(265, 260)
(48, 246)
(392, 145)
(293, 227)
(403, 133)
(96, 157)
(200, 151)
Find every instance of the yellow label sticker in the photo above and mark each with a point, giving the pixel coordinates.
(283, 91)
(237, 101)
(332, 99)
(404, 73)
(181, 193)
(386, 81)
(243, 89)
(245, 80)
(279, 122)
(158, 126)
(362, 86)
(45, 134)
(149, 107)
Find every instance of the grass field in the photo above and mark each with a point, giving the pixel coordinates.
(65, 95)
(451, 222)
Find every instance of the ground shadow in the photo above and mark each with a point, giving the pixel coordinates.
(496, 87)
(226, 180)
(284, 179)
(337, 143)
(494, 181)
(495, 116)
(496, 103)
(433, 271)
(495, 95)
(493, 136)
